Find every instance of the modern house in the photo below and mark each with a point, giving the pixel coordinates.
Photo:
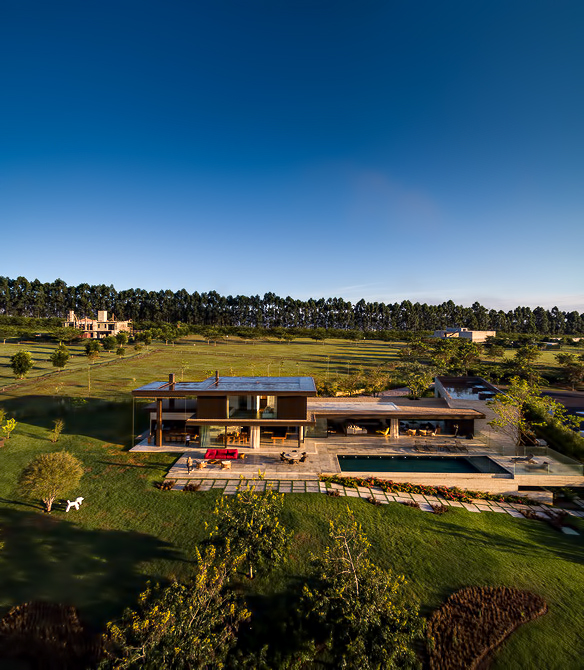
(465, 334)
(256, 411)
(97, 328)
(239, 410)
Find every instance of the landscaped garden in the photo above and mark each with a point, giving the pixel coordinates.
(127, 531)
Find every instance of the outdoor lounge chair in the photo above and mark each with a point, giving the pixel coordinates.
(385, 432)
(538, 466)
(523, 459)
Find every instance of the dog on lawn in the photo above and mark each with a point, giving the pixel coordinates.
(74, 503)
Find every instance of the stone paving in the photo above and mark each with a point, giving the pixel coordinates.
(230, 486)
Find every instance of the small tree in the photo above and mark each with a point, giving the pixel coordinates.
(48, 476)
(9, 427)
(92, 349)
(418, 378)
(250, 522)
(109, 343)
(122, 338)
(120, 352)
(60, 356)
(191, 625)
(58, 426)
(511, 410)
(21, 363)
(363, 615)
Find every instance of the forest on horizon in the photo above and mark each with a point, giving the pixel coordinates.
(23, 298)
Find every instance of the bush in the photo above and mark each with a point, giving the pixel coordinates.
(438, 508)
(191, 488)
(411, 503)
(166, 485)
(49, 635)
(373, 501)
(474, 621)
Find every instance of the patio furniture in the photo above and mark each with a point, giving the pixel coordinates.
(385, 432)
(200, 465)
(523, 459)
(411, 432)
(225, 465)
(221, 454)
(292, 457)
(538, 466)
(303, 457)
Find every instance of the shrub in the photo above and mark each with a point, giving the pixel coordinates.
(166, 485)
(474, 621)
(191, 488)
(373, 501)
(412, 503)
(439, 508)
(334, 493)
(50, 635)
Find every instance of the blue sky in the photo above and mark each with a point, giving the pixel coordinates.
(380, 150)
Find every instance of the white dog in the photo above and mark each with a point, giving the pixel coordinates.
(74, 503)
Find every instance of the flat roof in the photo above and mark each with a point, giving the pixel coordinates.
(230, 386)
(431, 408)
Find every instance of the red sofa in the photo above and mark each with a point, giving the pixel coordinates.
(221, 454)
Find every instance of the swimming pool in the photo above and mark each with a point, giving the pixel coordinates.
(437, 464)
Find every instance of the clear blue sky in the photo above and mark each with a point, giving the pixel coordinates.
(380, 150)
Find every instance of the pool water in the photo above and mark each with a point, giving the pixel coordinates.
(438, 464)
(469, 393)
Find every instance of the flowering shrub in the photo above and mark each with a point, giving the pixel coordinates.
(452, 493)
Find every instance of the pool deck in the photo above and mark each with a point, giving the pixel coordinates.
(322, 459)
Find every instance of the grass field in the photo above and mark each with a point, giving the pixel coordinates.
(127, 531)
(191, 359)
(195, 359)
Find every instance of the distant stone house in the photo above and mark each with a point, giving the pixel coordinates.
(465, 334)
(97, 328)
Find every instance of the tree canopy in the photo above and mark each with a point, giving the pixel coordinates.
(49, 476)
(22, 362)
(181, 626)
(364, 615)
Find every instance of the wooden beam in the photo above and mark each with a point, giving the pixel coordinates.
(159, 422)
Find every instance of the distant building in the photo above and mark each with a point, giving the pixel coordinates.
(465, 334)
(97, 328)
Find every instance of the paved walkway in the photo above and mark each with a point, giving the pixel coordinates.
(229, 487)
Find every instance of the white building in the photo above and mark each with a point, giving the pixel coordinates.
(465, 334)
(97, 328)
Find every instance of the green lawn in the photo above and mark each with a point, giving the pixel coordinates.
(195, 359)
(127, 532)
(192, 359)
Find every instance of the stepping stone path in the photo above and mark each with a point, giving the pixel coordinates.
(230, 487)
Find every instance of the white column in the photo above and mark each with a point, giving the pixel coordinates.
(394, 428)
(254, 437)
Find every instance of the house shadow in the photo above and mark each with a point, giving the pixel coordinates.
(105, 420)
(101, 572)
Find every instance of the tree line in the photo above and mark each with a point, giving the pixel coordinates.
(23, 298)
